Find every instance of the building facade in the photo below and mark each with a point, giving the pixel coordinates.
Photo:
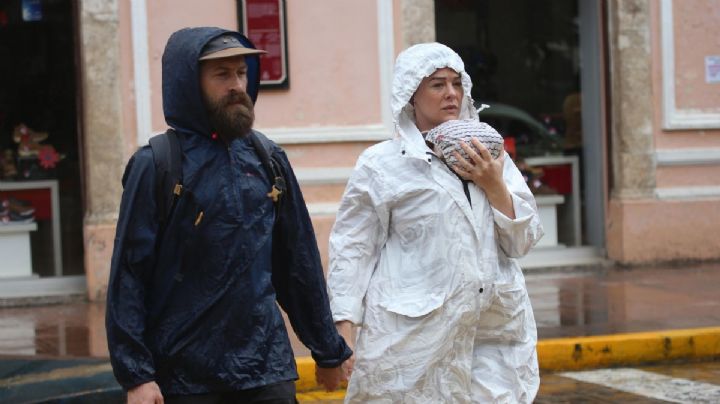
(641, 186)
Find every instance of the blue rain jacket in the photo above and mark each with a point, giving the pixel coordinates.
(219, 329)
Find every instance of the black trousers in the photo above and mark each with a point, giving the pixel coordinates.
(279, 393)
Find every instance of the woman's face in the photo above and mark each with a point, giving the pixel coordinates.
(438, 98)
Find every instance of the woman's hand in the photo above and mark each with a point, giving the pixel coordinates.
(330, 378)
(344, 328)
(487, 174)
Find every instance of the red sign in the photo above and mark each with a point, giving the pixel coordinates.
(263, 22)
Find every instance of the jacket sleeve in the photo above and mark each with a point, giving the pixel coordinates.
(298, 277)
(359, 233)
(131, 269)
(517, 236)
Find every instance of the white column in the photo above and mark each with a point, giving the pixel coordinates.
(141, 71)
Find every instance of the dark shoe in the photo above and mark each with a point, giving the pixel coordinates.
(13, 218)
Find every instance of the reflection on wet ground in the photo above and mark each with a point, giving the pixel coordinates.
(620, 300)
(67, 330)
(598, 302)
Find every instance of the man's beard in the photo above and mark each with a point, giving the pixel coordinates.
(229, 119)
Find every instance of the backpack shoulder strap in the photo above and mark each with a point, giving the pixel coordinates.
(264, 148)
(167, 155)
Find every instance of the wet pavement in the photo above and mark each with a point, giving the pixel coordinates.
(566, 304)
(679, 383)
(64, 344)
(617, 300)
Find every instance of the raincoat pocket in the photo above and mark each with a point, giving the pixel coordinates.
(506, 317)
(414, 304)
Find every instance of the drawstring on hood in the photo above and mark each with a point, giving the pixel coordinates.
(411, 67)
(182, 96)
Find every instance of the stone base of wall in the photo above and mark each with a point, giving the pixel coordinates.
(651, 231)
(99, 240)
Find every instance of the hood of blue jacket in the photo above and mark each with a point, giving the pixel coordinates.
(182, 97)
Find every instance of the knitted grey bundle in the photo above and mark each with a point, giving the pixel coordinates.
(447, 137)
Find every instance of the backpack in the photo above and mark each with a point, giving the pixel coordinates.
(167, 156)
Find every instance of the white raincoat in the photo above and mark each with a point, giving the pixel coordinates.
(429, 277)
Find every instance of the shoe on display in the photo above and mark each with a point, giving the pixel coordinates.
(17, 206)
(15, 218)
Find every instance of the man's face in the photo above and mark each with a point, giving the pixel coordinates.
(223, 83)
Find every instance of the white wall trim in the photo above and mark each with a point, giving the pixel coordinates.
(323, 176)
(141, 71)
(328, 134)
(688, 157)
(31, 287)
(323, 209)
(688, 193)
(386, 54)
(674, 118)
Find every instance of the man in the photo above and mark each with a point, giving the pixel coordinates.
(191, 313)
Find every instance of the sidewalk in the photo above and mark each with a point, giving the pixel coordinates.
(592, 317)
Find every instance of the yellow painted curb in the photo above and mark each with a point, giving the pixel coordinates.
(628, 349)
(306, 371)
(591, 352)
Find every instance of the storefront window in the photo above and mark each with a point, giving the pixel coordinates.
(40, 193)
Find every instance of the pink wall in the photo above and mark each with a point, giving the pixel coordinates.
(687, 176)
(326, 154)
(333, 60)
(397, 26)
(333, 63)
(653, 230)
(647, 231)
(696, 35)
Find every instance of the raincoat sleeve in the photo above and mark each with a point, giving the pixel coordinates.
(517, 236)
(299, 280)
(130, 273)
(359, 233)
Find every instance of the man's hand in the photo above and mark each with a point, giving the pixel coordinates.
(147, 393)
(329, 377)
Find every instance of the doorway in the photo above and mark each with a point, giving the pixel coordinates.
(537, 65)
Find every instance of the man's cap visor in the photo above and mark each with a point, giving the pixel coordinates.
(230, 52)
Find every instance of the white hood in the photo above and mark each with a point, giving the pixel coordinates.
(411, 67)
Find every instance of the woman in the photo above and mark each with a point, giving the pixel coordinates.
(422, 262)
